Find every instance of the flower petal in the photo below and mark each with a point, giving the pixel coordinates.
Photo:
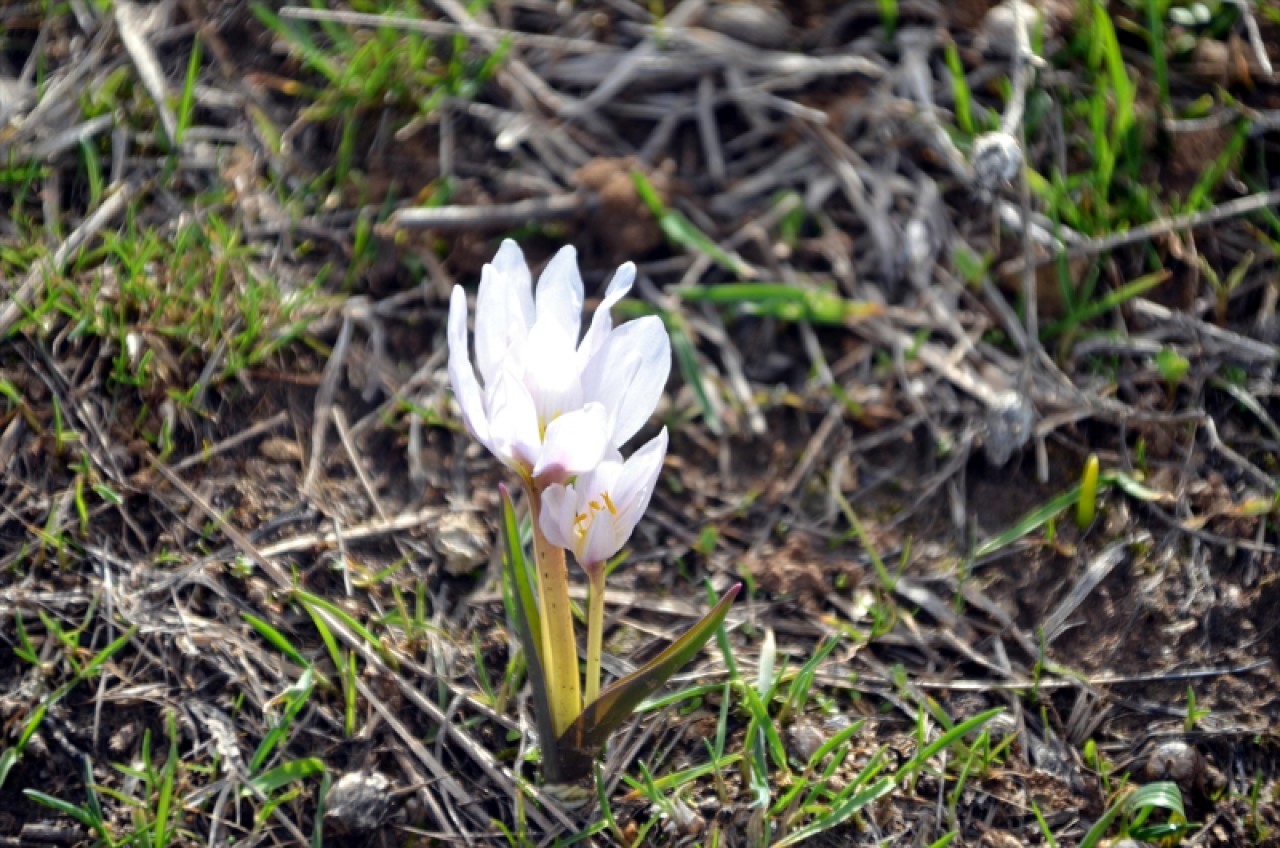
(573, 444)
(551, 371)
(633, 489)
(559, 509)
(504, 308)
(513, 423)
(602, 321)
(601, 542)
(461, 373)
(558, 299)
(628, 375)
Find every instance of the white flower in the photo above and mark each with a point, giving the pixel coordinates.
(594, 515)
(546, 404)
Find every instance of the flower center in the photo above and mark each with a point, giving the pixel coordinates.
(582, 521)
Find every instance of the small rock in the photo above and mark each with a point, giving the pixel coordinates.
(12, 93)
(1009, 427)
(804, 739)
(463, 540)
(996, 159)
(998, 33)
(280, 450)
(758, 24)
(1175, 760)
(358, 802)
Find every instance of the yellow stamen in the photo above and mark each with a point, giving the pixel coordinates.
(582, 521)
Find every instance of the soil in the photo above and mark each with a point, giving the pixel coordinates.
(333, 481)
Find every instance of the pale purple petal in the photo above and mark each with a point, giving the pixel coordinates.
(601, 542)
(559, 508)
(559, 296)
(461, 373)
(628, 375)
(551, 371)
(602, 321)
(633, 489)
(509, 261)
(513, 423)
(573, 444)
(504, 308)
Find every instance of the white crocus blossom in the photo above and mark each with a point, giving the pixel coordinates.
(546, 404)
(595, 514)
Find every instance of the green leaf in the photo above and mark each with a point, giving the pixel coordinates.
(282, 775)
(61, 806)
(1134, 489)
(1087, 505)
(786, 301)
(840, 813)
(1160, 795)
(522, 610)
(953, 735)
(165, 802)
(687, 360)
(1101, 306)
(1029, 523)
(275, 637)
(680, 230)
(8, 759)
(591, 730)
(312, 603)
(295, 697)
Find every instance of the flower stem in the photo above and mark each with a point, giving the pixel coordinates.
(595, 629)
(559, 648)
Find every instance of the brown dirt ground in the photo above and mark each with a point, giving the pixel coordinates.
(1190, 604)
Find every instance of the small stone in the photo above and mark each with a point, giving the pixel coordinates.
(998, 34)
(358, 802)
(280, 450)
(804, 738)
(1177, 761)
(463, 540)
(996, 159)
(1009, 426)
(755, 23)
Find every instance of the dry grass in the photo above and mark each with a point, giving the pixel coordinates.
(247, 562)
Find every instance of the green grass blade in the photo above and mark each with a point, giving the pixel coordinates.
(1134, 489)
(1029, 523)
(680, 230)
(1105, 304)
(950, 737)
(788, 302)
(315, 603)
(169, 778)
(322, 806)
(687, 361)
(282, 775)
(1162, 795)
(839, 814)
(186, 106)
(275, 637)
(296, 697)
(58, 805)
